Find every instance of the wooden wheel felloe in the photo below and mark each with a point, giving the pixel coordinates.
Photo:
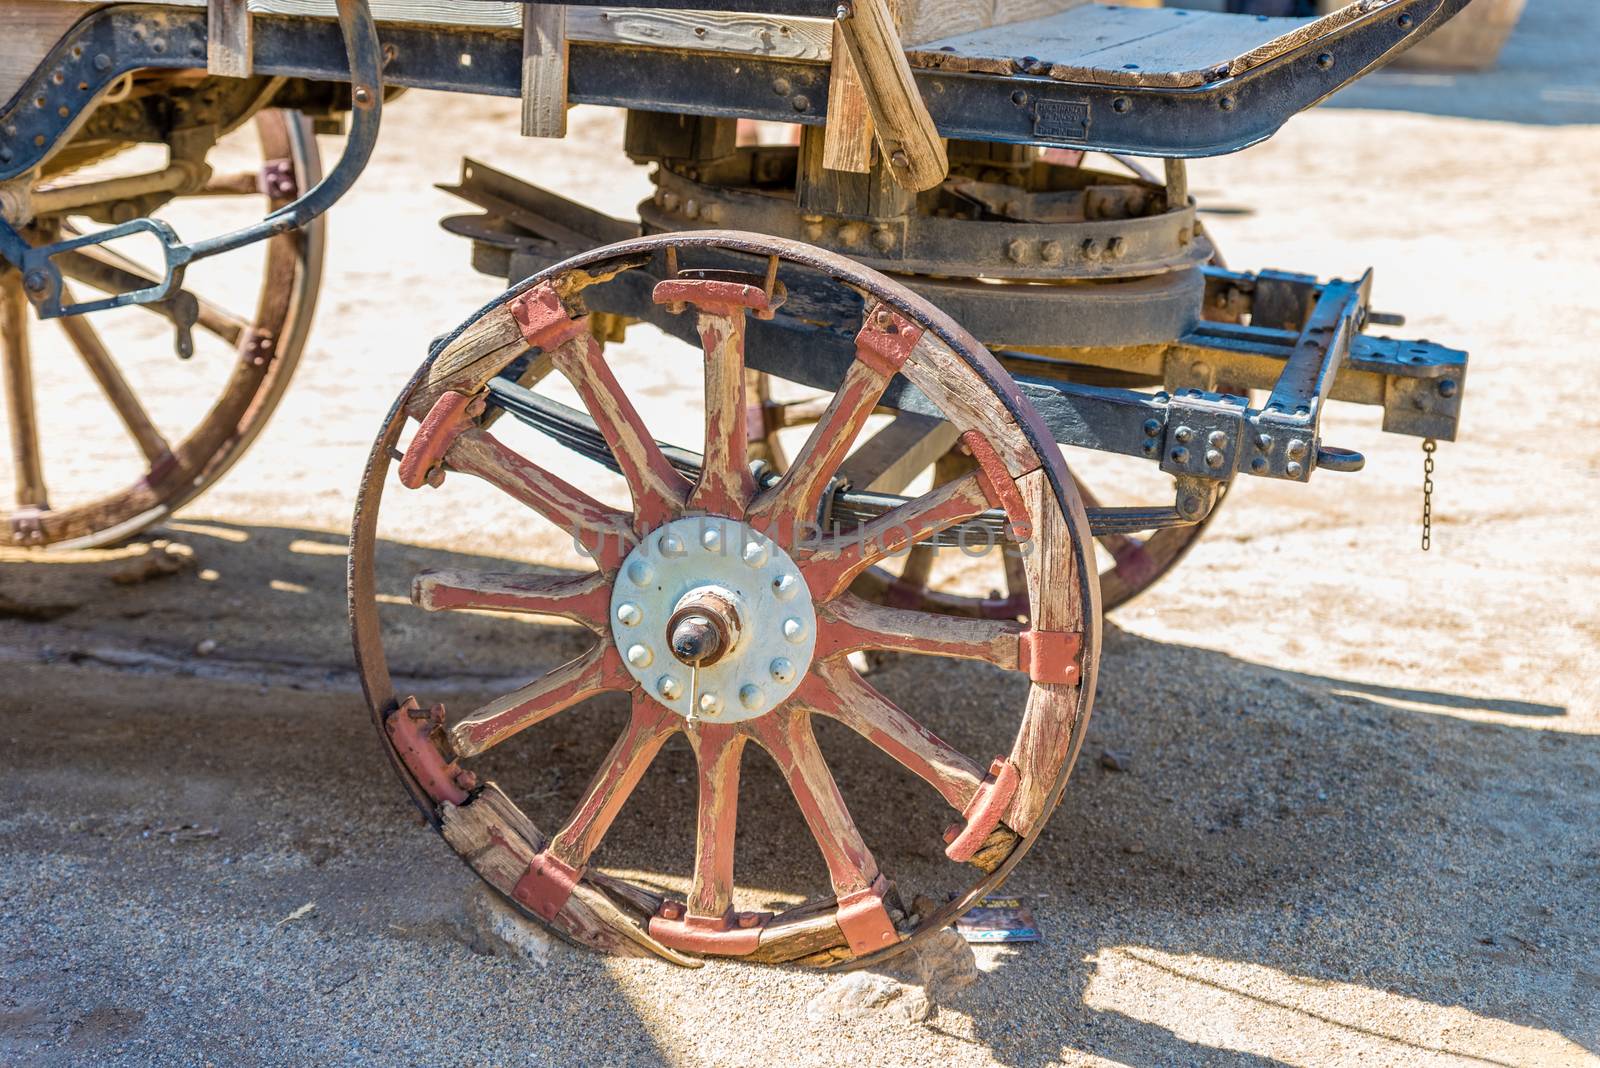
(724, 615)
(168, 469)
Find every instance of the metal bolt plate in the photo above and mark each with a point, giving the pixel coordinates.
(778, 630)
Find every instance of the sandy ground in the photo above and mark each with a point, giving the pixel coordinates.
(1358, 821)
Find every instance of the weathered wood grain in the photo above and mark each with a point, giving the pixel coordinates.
(597, 671)
(904, 129)
(943, 377)
(544, 70)
(31, 29)
(482, 350)
(229, 40)
(726, 485)
(847, 138)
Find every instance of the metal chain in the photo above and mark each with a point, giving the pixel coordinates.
(1428, 446)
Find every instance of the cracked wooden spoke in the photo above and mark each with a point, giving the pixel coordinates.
(95, 355)
(786, 734)
(631, 754)
(597, 671)
(584, 599)
(17, 364)
(850, 623)
(835, 690)
(726, 485)
(837, 560)
(658, 490)
(605, 532)
(789, 508)
(718, 751)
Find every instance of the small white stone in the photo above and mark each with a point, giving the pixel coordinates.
(640, 656)
(752, 696)
(786, 586)
(794, 628)
(670, 545)
(668, 687)
(710, 704)
(782, 669)
(711, 538)
(628, 614)
(756, 554)
(640, 573)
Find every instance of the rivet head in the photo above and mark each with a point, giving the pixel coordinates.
(1183, 433)
(1292, 469)
(628, 614)
(1295, 449)
(756, 554)
(1017, 250)
(1213, 458)
(670, 545)
(794, 628)
(1263, 442)
(785, 587)
(1152, 427)
(1258, 464)
(640, 656)
(1180, 455)
(640, 573)
(711, 539)
(782, 669)
(1217, 439)
(709, 704)
(752, 696)
(668, 687)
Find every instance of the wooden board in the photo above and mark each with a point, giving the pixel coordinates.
(32, 27)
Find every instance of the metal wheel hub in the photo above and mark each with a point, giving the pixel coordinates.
(713, 619)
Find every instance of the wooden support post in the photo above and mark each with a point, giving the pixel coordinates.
(544, 70)
(228, 38)
(906, 134)
(847, 138)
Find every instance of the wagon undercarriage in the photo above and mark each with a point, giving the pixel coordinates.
(975, 278)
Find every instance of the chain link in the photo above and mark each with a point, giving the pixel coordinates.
(1428, 447)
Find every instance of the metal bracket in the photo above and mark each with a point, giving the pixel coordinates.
(547, 885)
(1204, 433)
(982, 814)
(411, 734)
(41, 278)
(735, 934)
(864, 919)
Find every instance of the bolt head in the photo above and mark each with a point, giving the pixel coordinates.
(640, 656)
(1051, 252)
(628, 614)
(668, 687)
(1447, 387)
(35, 282)
(711, 539)
(640, 573)
(756, 554)
(794, 628)
(752, 696)
(670, 545)
(786, 586)
(782, 669)
(1258, 464)
(709, 704)
(1017, 250)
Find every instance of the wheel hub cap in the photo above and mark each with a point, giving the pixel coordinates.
(713, 619)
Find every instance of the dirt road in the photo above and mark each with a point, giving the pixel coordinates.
(1358, 816)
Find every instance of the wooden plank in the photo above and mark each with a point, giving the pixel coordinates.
(889, 460)
(32, 28)
(229, 39)
(544, 70)
(905, 131)
(702, 31)
(847, 138)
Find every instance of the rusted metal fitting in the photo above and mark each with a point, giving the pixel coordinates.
(544, 320)
(276, 180)
(886, 339)
(864, 919)
(1050, 655)
(423, 461)
(733, 934)
(983, 812)
(998, 485)
(725, 295)
(411, 733)
(547, 885)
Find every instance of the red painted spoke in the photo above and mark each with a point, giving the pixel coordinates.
(850, 623)
(659, 491)
(786, 734)
(725, 485)
(834, 689)
(597, 671)
(624, 766)
(718, 748)
(837, 560)
(605, 532)
(789, 509)
(583, 599)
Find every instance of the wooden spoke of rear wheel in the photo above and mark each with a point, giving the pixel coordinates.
(726, 485)
(718, 750)
(850, 624)
(597, 671)
(604, 532)
(94, 354)
(26, 461)
(658, 490)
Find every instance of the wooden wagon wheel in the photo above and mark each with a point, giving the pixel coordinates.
(724, 616)
(169, 470)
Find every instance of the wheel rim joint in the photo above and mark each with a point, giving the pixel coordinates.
(411, 732)
(733, 934)
(863, 916)
(983, 812)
